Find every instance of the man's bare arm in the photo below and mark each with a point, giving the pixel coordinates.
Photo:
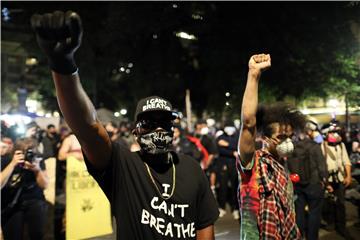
(80, 115)
(59, 36)
(205, 233)
(257, 64)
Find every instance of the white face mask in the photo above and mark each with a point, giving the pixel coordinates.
(285, 148)
(229, 130)
(204, 131)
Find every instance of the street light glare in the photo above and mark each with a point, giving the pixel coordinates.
(185, 35)
(31, 61)
(123, 111)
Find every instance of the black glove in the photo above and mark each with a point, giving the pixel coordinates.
(59, 36)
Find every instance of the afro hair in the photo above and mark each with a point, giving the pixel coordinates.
(281, 113)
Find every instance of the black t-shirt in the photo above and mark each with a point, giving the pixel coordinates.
(140, 211)
(20, 178)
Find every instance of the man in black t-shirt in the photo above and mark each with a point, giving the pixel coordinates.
(154, 193)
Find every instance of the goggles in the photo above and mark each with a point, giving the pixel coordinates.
(149, 125)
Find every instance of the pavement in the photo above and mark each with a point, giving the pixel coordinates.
(226, 228)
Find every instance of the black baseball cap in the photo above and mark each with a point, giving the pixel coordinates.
(154, 104)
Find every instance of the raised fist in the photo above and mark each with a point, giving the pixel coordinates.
(260, 62)
(59, 36)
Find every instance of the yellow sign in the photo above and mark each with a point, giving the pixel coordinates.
(87, 208)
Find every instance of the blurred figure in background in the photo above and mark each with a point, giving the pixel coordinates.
(183, 145)
(114, 134)
(209, 149)
(51, 142)
(227, 175)
(208, 141)
(355, 163)
(23, 180)
(309, 163)
(339, 168)
(6, 147)
(125, 132)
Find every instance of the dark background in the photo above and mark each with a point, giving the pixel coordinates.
(314, 48)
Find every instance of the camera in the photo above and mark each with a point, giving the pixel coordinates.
(334, 176)
(29, 155)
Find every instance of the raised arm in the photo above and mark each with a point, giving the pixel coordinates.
(257, 64)
(59, 36)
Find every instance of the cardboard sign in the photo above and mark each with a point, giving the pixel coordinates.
(87, 208)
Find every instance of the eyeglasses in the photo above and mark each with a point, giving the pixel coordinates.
(154, 124)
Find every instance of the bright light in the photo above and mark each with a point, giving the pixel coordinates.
(127, 71)
(116, 114)
(130, 65)
(237, 123)
(123, 111)
(210, 122)
(305, 111)
(333, 103)
(16, 119)
(31, 61)
(40, 113)
(174, 5)
(185, 35)
(122, 69)
(31, 105)
(155, 36)
(197, 17)
(20, 129)
(227, 94)
(56, 114)
(48, 115)
(227, 104)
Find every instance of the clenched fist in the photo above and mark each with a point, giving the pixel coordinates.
(259, 62)
(59, 36)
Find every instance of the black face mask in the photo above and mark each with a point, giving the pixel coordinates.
(156, 142)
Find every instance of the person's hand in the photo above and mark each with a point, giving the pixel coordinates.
(347, 181)
(18, 158)
(59, 36)
(32, 166)
(329, 188)
(259, 63)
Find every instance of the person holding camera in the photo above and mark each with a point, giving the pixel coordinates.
(23, 178)
(339, 168)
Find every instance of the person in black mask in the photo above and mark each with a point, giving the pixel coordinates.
(154, 193)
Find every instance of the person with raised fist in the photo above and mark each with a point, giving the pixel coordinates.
(265, 191)
(154, 193)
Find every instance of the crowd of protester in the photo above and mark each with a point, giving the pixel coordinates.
(324, 168)
(325, 161)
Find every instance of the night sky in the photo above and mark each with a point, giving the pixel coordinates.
(130, 49)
